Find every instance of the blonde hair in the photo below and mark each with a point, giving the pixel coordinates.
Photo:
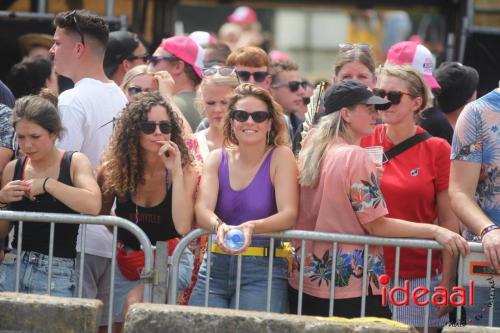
(133, 73)
(413, 81)
(230, 81)
(330, 128)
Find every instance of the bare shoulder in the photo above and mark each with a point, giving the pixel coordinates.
(283, 154)
(8, 171)
(213, 159)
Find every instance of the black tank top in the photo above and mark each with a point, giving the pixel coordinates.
(36, 235)
(156, 222)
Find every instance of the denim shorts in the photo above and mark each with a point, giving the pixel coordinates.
(33, 274)
(253, 285)
(123, 285)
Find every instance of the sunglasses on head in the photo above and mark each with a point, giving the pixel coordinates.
(292, 85)
(393, 96)
(223, 71)
(257, 76)
(156, 59)
(144, 57)
(242, 116)
(135, 90)
(347, 46)
(71, 17)
(148, 127)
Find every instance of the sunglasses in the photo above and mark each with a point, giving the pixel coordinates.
(156, 59)
(393, 96)
(347, 46)
(148, 127)
(144, 57)
(71, 16)
(257, 76)
(242, 116)
(135, 90)
(292, 85)
(223, 71)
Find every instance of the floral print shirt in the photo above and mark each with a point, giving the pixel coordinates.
(477, 140)
(347, 197)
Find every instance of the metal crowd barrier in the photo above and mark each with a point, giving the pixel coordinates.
(114, 221)
(334, 239)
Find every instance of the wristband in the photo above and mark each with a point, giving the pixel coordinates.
(43, 186)
(487, 229)
(215, 225)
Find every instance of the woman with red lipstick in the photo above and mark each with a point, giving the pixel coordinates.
(148, 170)
(45, 179)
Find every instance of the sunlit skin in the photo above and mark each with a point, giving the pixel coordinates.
(362, 120)
(162, 65)
(66, 47)
(34, 141)
(405, 110)
(215, 99)
(290, 101)
(356, 71)
(152, 142)
(250, 132)
(264, 84)
(143, 81)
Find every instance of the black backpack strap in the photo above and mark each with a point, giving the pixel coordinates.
(18, 170)
(405, 145)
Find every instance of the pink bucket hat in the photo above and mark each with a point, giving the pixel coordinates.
(243, 14)
(416, 55)
(185, 49)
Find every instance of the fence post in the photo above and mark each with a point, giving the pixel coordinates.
(161, 269)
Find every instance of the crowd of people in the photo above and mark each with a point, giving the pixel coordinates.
(203, 135)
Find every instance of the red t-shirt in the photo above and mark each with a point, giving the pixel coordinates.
(410, 185)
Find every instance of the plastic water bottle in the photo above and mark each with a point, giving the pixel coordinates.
(234, 239)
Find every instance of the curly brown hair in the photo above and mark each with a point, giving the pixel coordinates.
(278, 136)
(122, 160)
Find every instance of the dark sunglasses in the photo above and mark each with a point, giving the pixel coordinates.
(393, 96)
(292, 85)
(347, 46)
(223, 71)
(156, 59)
(148, 127)
(242, 116)
(257, 76)
(144, 57)
(71, 16)
(135, 90)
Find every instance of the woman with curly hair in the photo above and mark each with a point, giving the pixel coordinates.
(250, 185)
(148, 170)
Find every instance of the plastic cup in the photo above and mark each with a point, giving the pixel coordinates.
(376, 153)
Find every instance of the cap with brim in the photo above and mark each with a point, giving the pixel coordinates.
(121, 45)
(29, 41)
(349, 93)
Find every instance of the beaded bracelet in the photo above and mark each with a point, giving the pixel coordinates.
(488, 229)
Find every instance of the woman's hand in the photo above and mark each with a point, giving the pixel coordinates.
(224, 229)
(165, 83)
(14, 191)
(35, 187)
(444, 309)
(171, 156)
(451, 241)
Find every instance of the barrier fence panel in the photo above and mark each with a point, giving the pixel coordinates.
(334, 239)
(147, 275)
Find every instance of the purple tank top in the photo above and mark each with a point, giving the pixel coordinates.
(256, 201)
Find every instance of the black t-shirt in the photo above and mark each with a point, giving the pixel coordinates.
(434, 121)
(156, 222)
(36, 235)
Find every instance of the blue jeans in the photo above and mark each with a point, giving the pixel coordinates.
(484, 297)
(34, 273)
(253, 292)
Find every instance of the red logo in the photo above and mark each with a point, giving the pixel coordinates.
(438, 296)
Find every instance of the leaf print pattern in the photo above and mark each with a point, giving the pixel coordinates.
(319, 270)
(366, 194)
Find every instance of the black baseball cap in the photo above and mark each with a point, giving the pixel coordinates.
(121, 45)
(347, 93)
(458, 83)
